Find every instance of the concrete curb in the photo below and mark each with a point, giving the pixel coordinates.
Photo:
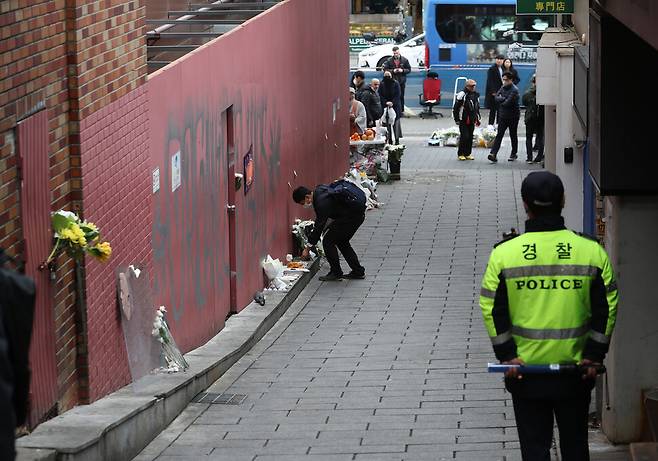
(119, 426)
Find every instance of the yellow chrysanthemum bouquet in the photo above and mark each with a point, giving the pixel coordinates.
(77, 237)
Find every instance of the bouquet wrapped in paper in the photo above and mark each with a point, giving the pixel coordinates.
(172, 355)
(76, 238)
(301, 230)
(486, 137)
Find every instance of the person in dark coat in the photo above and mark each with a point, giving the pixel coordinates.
(389, 95)
(358, 83)
(508, 66)
(17, 298)
(344, 222)
(494, 82)
(534, 123)
(507, 101)
(466, 113)
(371, 101)
(8, 418)
(399, 67)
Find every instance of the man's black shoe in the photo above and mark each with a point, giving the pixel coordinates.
(330, 277)
(512, 158)
(538, 159)
(492, 158)
(355, 275)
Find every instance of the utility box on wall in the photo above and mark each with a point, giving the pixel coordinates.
(623, 158)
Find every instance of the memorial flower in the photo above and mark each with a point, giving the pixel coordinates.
(76, 237)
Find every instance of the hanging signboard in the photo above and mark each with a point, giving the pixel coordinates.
(537, 7)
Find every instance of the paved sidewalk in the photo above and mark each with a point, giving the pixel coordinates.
(387, 368)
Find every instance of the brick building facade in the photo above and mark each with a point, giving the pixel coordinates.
(75, 102)
(69, 58)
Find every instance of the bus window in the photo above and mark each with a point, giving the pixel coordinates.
(486, 23)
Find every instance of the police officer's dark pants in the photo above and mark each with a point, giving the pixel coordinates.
(532, 129)
(503, 125)
(338, 238)
(465, 139)
(536, 399)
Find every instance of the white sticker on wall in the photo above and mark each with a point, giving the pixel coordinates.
(156, 180)
(334, 112)
(175, 171)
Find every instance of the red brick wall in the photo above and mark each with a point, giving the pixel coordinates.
(74, 56)
(32, 71)
(107, 60)
(117, 197)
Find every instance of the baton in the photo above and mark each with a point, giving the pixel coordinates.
(553, 368)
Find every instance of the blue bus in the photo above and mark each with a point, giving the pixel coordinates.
(463, 37)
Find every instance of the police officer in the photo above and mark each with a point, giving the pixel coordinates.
(549, 296)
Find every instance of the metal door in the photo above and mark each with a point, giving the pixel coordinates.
(230, 206)
(32, 137)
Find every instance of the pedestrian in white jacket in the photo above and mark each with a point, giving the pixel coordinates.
(358, 120)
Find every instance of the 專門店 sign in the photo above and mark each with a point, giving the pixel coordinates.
(544, 6)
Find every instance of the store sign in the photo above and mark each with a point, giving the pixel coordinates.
(359, 43)
(536, 7)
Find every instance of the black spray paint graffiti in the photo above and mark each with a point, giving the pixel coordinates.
(190, 226)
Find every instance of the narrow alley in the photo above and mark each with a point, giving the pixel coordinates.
(391, 367)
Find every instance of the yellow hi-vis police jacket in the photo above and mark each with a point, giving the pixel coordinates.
(549, 297)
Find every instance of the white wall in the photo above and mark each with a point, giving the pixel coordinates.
(555, 91)
(631, 224)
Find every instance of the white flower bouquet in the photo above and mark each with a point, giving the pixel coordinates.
(450, 136)
(301, 229)
(486, 137)
(172, 355)
(444, 137)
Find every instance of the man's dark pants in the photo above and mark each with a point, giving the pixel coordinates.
(465, 139)
(536, 399)
(503, 125)
(338, 238)
(402, 87)
(532, 129)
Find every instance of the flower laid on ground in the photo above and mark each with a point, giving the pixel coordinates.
(76, 237)
(486, 136)
(446, 137)
(172, 355)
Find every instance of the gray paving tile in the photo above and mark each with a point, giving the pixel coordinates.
(391, 367)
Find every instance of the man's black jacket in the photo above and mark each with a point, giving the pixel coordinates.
(327, 206)
(467, 107)
(494, 81)
(402, 63)
(507, 100)
(372, 102)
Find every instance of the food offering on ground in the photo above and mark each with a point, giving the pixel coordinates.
(296, 265)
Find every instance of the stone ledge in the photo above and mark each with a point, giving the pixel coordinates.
(120, 425)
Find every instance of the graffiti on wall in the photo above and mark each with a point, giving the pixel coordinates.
(190, 225)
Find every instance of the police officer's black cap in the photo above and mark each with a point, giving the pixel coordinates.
(542, 190)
